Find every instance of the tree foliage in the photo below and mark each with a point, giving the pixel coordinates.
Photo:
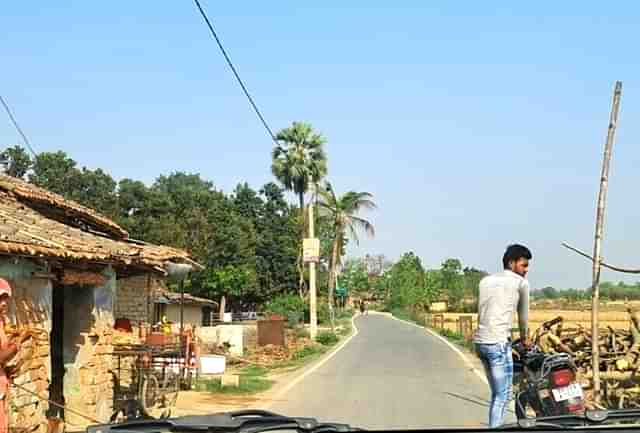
(407, 282)
(15, 161)
(343, 213)
(247, 240)
(299, 158)
(408, 285)
(354, 276)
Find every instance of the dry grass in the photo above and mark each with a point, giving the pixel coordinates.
(612, 314)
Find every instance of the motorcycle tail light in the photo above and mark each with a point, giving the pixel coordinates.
(562, 377)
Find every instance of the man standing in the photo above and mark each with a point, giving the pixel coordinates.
(501, 294)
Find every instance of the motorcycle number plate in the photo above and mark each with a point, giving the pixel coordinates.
(573, 390)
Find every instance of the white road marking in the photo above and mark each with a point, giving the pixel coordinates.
(480, 375)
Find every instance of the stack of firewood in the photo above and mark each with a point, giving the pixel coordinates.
(619, 358)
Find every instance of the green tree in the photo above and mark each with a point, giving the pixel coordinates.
(299, 158)
(56, 172)
(433, 284)
(354, 276)
(16, 161)
(343, 211)
(276, 238)
(451, 279)
(471, 281)
(549, 293)
(407, 283)
(97, 190)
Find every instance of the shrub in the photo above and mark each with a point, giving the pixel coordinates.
(323, 313)
(290, 307)
(301, 333)
(306, 352)
(327, 338)
(344, 314)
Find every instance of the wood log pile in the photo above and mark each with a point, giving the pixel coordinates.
(619, 359)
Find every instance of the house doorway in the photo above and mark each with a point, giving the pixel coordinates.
(72, 321)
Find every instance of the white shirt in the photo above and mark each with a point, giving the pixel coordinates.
(501, 294)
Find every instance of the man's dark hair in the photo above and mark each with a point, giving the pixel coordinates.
(514, 253)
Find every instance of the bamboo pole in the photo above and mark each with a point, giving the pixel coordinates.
(602, 262)
(597, 243)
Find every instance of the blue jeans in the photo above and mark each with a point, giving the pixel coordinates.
(498, 365)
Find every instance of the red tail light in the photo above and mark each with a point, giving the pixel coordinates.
(562, 378)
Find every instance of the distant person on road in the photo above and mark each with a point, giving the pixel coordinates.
(363, 307)
(501, 294)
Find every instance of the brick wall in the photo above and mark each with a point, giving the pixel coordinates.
(94, 395)
(31, 308)
(132, 298)
(26, 411)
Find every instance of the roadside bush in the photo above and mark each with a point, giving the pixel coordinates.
(344, 314)
(306, 352)
(291, 307)
(327, 338)
(456, 337)
(322, 312)
(301, 333)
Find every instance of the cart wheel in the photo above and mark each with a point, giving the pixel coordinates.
(149, 392)
(188, 380)
(170, 389)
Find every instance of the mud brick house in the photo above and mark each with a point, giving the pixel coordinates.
(68, 265)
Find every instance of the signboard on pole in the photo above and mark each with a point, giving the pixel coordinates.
(311, 250)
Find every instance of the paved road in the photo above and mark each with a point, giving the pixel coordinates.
(391, 375)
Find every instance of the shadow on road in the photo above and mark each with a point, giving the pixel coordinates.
(477, 401)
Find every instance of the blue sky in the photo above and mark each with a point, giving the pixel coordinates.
(474, 124)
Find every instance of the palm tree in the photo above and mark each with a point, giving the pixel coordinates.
(343, 212)
(297, 160)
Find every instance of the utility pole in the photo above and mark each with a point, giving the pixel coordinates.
(313, 311)
(597, 244)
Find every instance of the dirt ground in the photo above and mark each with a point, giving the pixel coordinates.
(198, 403)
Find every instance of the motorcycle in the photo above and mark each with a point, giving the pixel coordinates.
(546, 383)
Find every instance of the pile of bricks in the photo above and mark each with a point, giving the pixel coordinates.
(26, 411)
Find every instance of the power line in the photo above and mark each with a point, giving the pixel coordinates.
(235, 72)
(15, 123)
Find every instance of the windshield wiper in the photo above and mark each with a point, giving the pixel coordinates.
(244, 421)
(589, 418)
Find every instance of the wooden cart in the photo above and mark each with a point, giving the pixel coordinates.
(148, 378)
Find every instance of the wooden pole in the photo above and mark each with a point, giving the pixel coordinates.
(597, 244)
(313, 310)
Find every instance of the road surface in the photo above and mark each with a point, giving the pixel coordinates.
(391, 375)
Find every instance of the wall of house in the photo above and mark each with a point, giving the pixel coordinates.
(88, 327)
(30, 307)
(132, 298)
(192, 314)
